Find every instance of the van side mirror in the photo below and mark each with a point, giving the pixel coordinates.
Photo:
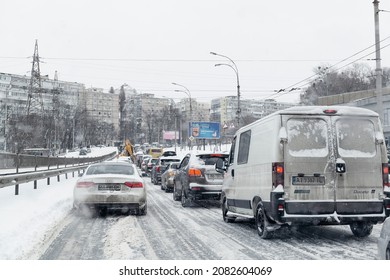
(220, 166)
(379, 138)
(283, 135)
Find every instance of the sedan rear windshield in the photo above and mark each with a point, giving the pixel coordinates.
(210, 159)
(110, 169)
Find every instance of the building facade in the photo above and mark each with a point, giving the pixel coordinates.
(56, 95)
(224, 109)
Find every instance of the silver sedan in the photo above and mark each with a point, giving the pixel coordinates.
(384, 241)
(110, 185)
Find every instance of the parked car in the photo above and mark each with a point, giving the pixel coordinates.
(169, 153)
(150, 163)
(168, 176)
(159, 168)
(155, 152)
(309, 165)
(197, 179)
(110, 185)
(384, 241)
(138, 158)
(144, 164)
(83, 152)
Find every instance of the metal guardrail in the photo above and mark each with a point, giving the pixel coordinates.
(15, 161)
(25, 177)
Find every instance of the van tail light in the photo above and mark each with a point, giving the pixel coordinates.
(85, 184)
(280, 207)
(193, 172)
(277, 174)
(385, 174)
(134, 185)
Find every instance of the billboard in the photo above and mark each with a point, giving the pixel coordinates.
(170, 135)
(204, 130)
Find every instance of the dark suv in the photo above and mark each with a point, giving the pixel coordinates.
(160, 167)
(197, 179)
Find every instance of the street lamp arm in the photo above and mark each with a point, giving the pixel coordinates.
(238, 82)
(234, 69)
(231, 60)
(187, 91)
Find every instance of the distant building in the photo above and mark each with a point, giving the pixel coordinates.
(101, 106)
(224, 109)
(14, 92)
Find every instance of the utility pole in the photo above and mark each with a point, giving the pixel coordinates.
(378, 69)
(34, 99)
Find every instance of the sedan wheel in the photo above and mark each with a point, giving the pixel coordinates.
(185, 202)
(175, 196)
(143, 211)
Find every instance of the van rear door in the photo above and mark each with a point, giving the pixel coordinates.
(332, 164)
(360, 185)
(309, 165)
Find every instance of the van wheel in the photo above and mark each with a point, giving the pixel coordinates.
(226, 218)
(261, 222)
(387, 254)
(361, 229)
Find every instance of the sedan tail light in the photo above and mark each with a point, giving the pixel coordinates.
(193, 172)
(134, 184)
(85, 184)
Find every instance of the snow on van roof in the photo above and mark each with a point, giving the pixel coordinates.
(319, 110)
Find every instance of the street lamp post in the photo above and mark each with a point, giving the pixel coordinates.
(234, 67)
(186, 91)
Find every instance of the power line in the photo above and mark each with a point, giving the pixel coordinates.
(166, 60)
(308, 80)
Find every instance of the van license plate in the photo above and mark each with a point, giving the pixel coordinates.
(308, 180)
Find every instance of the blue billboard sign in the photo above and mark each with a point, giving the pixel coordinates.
(204, 130)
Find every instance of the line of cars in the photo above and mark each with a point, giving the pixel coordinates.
(192, 178)
(300, 166)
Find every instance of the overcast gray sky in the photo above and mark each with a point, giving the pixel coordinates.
(149, 44)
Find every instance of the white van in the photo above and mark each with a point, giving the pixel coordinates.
(308, 165)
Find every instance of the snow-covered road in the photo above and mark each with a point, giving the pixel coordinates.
(40, 224)
(171, 232)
